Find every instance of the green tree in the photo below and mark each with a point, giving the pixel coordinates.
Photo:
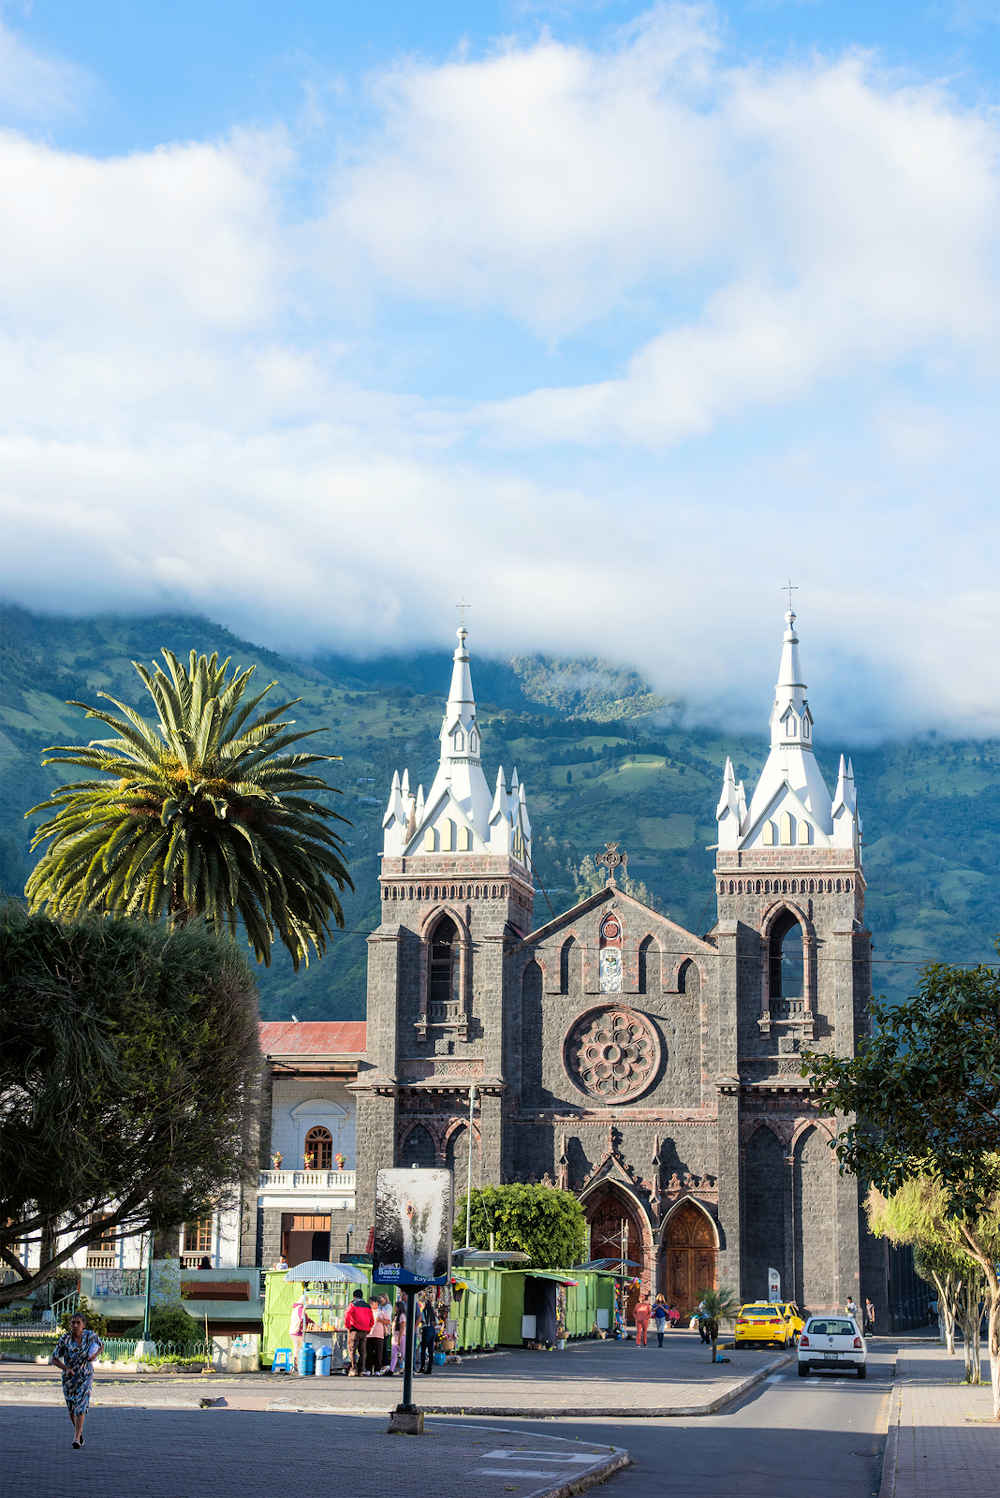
(127, 1056)
(545, 1223)
(917, 1214)
(205, 812)
(717, 1306)
(590, 879)
(922, 1099)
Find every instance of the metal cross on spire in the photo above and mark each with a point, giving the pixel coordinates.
(462, 606)
(612, 860)
(789, 588)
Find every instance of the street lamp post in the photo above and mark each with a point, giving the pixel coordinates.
(468, 1173)
(147, 1348)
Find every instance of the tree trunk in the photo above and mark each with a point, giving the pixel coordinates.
(994, 1336)
(970, 1308)
(946, 1290)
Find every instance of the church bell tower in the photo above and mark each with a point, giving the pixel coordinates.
(790, 889)
(456, 896)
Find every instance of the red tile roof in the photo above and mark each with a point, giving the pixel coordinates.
(337, 1037)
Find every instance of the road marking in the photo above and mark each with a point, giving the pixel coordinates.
(503, 1454)
(511, 1472)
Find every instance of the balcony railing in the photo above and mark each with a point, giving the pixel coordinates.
(307, 1180)
(99, 1259)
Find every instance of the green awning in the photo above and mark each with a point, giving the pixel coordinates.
(552, 1274)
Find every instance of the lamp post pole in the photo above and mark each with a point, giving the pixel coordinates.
(146, 1348)
(468, 1173)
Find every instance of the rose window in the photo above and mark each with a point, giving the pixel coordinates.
(612, 1053)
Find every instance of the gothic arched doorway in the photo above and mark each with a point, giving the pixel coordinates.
(689, 1256)
(614, 1232)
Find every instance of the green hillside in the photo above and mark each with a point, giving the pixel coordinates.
(602, 757)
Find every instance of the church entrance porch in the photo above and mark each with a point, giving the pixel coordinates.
(688, 1257)
(616, 1233)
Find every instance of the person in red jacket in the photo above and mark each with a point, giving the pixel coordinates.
(359, 1322)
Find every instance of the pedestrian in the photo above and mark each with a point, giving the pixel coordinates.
(641, 1314)
(74, 1355)
(428, 1336)
(298, 1325)
(358, 1322)
(281, 1262)
(661, 1316)
(675, 1317)
(384, 1317)
(869, 1317)
(398, 1341)
(852, 1308)
(373, 1348)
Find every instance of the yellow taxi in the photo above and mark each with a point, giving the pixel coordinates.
(793, 1316)
(761, 1322)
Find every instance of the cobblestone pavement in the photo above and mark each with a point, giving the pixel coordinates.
(158, 1453)
(943, 1442)
(588, 1378)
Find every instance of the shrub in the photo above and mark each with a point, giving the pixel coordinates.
(93, 1319)
(170, 1324)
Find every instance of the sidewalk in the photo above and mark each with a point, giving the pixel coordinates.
(144, 1453)
(589, 1379)
(942, 1439)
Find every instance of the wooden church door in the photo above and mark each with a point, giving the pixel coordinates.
(689, 1258)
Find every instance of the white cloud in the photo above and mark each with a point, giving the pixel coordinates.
(189, 415)
(35, 87)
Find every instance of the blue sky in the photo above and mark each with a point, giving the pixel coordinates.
(606, 316)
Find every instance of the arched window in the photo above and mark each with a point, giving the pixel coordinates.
(689, 979)
(768, 834)
(429, 840)
(317, 1153)
(786, 959)
(465, 840)
(787, 829)
(803, 830)
(447, 835)
(418, 1149)
(649, 966)
(458, 738)
(443, 974)
(570, 966)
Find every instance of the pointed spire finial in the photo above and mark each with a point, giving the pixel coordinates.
(790, 588)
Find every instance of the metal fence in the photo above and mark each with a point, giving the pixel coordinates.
(122, 1349)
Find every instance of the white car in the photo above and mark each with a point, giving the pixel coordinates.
(832, 1342)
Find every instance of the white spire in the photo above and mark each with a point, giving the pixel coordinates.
(791, 804)
(458, 814)
(791, 720)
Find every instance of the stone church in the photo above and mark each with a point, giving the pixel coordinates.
(652, 1071)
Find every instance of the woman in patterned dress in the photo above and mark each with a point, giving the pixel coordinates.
(74, 1353)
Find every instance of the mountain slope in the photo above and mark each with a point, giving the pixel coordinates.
(602, 758)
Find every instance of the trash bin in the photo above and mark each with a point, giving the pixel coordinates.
(307, 1359)
(324, 1358)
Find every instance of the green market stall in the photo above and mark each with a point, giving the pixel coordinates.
(325, 1300)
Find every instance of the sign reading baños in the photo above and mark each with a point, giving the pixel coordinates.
(413, 1227)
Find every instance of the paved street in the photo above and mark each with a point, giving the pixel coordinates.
(785, 1438)
(789, 1438)
(618, 1378)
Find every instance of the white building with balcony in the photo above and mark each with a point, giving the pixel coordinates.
(305, 1191)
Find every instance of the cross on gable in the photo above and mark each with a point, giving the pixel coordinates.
(612, 860)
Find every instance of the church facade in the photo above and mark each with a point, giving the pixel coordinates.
(652, 1071)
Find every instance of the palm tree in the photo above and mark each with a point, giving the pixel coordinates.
(205, 812)
(716, 1306)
